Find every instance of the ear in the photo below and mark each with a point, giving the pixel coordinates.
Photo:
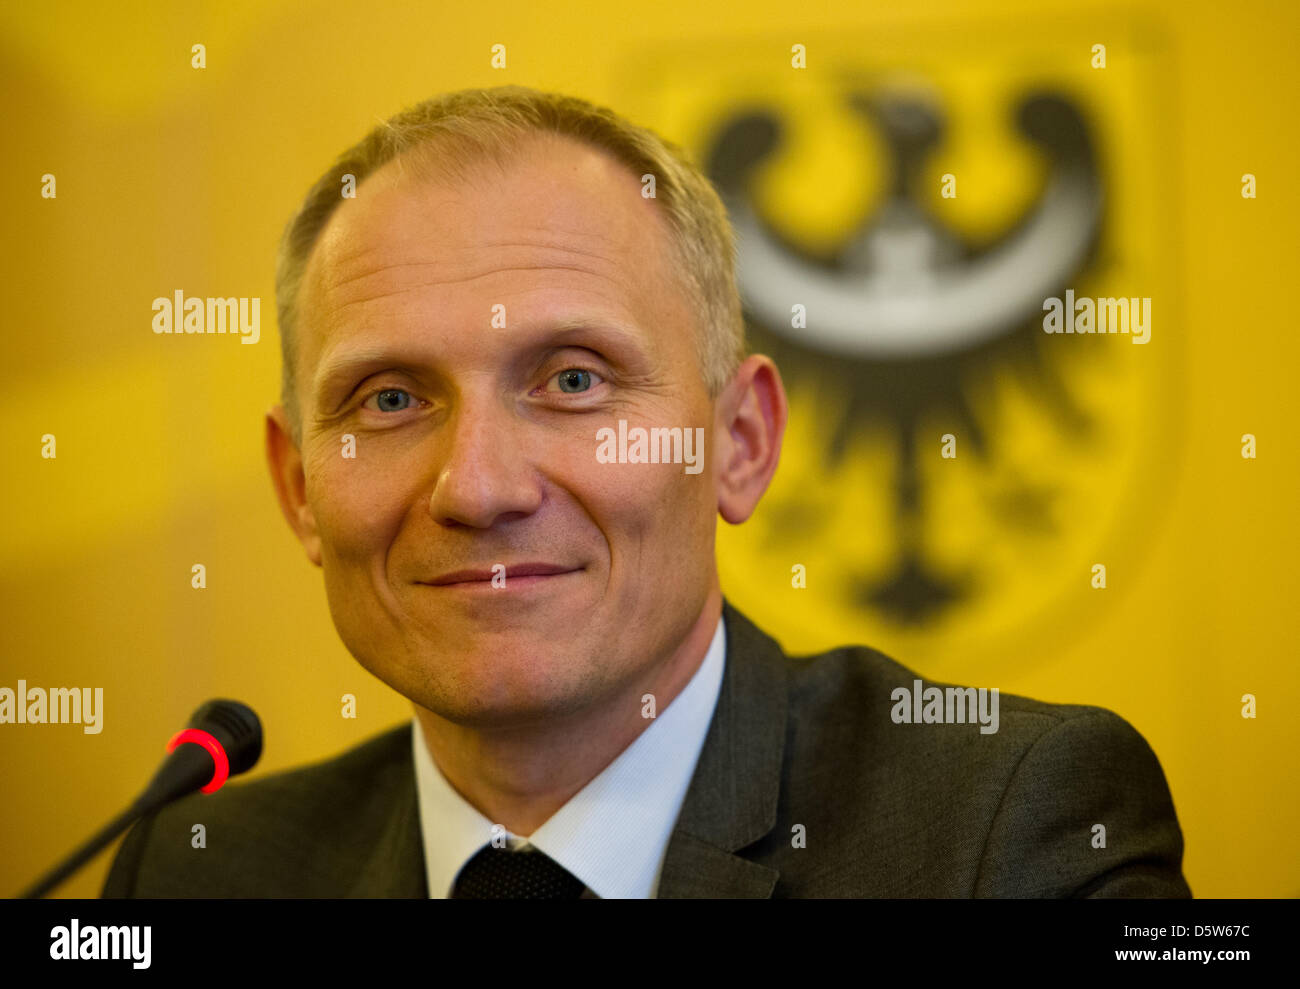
(751, 415)
(285, 461)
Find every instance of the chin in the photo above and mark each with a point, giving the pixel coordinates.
(497, 684)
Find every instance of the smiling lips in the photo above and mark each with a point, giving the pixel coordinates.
(519, 570)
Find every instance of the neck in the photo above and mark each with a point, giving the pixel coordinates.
(519, 778)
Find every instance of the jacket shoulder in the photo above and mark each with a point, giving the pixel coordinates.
(969, 791)
(311, 823)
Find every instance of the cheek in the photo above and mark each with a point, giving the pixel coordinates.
(358, 503)
(652, 514)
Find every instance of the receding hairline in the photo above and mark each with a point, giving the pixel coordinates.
(431, 163)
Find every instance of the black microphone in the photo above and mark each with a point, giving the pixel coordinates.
(223, 739)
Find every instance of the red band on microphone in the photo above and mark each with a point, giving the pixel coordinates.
(200, 737)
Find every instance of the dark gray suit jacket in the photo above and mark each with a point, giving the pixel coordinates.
(888, 810)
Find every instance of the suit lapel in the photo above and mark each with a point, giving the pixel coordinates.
(732, 799)
(394, 867)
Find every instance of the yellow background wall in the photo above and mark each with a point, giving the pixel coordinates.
(171, 177)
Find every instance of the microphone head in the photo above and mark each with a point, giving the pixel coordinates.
(236, 727)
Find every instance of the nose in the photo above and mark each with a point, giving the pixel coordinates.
(486, 476)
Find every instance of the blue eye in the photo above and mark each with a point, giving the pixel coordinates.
(392, 400)
(574, 380)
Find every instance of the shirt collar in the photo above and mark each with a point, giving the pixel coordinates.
(613, 833)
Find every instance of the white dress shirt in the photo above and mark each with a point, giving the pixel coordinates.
(613, 833)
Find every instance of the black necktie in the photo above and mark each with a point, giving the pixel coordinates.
(502, 874)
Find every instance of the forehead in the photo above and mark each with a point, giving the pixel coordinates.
(560, 216)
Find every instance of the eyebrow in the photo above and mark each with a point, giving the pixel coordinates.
(364, 359)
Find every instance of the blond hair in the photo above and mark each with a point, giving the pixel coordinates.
(453, 132)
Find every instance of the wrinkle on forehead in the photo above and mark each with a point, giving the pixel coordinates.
(496, 258)
(366, 255)
(338, 308)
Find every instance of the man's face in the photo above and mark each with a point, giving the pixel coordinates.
(476, 444)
